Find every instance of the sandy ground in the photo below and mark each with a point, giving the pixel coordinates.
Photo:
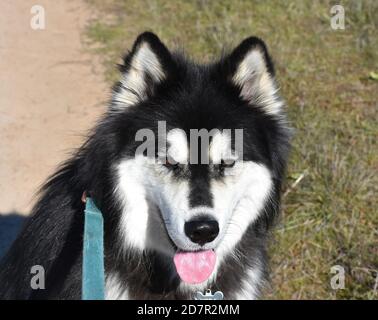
(51, 92)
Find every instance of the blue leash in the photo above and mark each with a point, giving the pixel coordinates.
(93, 281)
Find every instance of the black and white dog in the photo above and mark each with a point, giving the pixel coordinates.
(172, 227)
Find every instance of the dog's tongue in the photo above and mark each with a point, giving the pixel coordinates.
(195, 267)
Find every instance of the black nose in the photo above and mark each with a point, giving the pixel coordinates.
(202, 231)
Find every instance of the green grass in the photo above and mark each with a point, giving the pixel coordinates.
(330, 217)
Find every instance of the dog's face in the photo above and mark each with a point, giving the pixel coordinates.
(178, 194)
(223, 196)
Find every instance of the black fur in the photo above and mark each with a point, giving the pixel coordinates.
(192, 96)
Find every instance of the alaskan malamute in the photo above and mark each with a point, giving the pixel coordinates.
(174, 224)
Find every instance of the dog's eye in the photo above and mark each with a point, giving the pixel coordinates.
(171, 164)
(229, 163)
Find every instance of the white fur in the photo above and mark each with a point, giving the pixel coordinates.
(248, 289)
(133, 82)
(178, 146)
(132, 194)
(220, 148)
(113, 289)
(257, 85)
(238, 201)
(141, 226)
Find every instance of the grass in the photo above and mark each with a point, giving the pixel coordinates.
(330, 216)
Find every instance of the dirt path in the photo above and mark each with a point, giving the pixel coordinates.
(51, 92)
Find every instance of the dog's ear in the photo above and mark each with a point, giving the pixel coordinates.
(147, 65)
(250, 68)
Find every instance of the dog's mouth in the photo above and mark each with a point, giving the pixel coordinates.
(195, 267)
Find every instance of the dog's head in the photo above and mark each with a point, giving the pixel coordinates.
(200, 148)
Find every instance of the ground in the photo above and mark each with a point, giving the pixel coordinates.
(329, 214)
(51, 92)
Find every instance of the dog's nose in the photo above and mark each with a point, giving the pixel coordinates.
(202, 231)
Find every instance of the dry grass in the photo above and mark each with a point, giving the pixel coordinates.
(329, 216)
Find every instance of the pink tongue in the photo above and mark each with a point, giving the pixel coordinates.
(195, 267)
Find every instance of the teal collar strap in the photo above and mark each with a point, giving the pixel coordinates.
(93, 279)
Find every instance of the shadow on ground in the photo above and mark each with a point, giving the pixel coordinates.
(10, 226)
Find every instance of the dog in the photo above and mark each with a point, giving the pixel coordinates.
(173, 226)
